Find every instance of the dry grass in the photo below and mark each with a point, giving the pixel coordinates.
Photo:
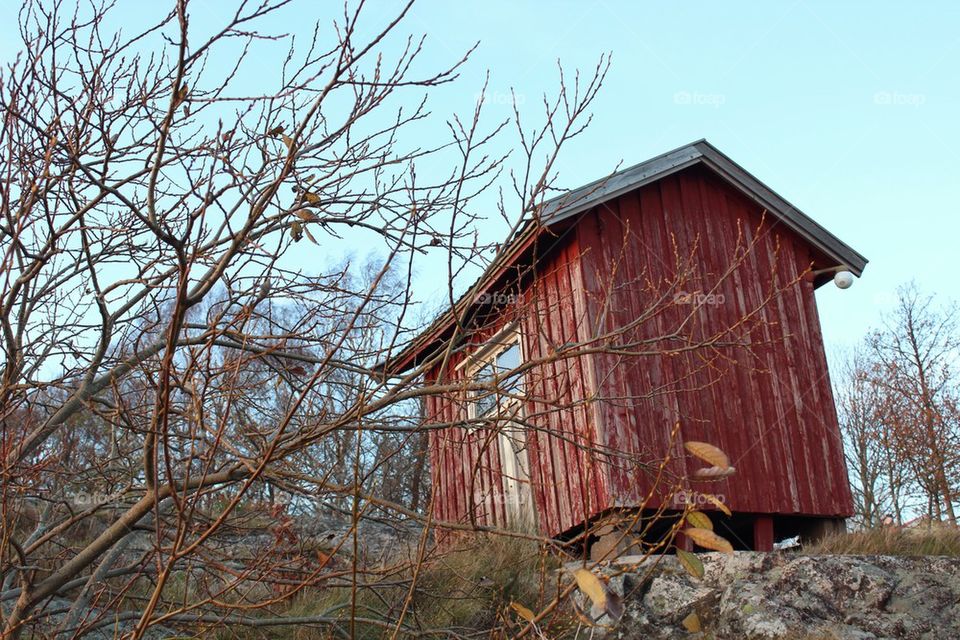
(936, 540)
(464, 591)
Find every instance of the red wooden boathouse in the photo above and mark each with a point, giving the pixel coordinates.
(672, 301)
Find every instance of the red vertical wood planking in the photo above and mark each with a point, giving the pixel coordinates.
(767, 402)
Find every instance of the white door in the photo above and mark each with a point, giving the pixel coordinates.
(516, 478)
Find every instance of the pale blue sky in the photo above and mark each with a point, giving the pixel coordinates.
(849, 110)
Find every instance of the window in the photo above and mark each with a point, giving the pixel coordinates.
(493, 361)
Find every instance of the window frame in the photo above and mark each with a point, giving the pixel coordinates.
(485, 355)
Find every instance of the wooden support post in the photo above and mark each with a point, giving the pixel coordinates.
(763, 533)
(683, 542)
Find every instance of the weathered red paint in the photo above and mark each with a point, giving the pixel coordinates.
(769, 406)
(763, 533)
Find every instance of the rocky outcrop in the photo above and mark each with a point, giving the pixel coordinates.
(789, 596)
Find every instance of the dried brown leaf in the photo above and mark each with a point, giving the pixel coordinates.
(699, 520)
(604, 601)
(692, 623)
(714, 473)
(523, 612)
(708, 539)
(306, 215)
(708, 453)
(717, 502)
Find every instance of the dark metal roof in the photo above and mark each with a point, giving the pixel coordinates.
(599, 191)
(702, 152)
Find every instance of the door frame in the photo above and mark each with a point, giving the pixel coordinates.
(517, 488)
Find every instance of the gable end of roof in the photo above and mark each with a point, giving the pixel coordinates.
(702, 152)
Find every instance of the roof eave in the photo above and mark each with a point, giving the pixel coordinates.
(801, 223)
(599, 191)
